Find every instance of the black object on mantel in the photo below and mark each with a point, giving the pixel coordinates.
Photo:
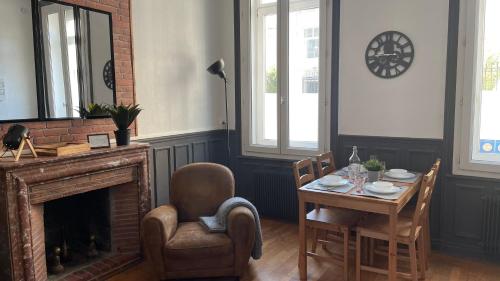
(15, 139)
(217, 68)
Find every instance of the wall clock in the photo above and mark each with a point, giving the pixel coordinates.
(389, 54)
(108, 75)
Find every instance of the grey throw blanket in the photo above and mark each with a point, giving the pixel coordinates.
(218, 223)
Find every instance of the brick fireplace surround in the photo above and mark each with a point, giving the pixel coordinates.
(26, 185)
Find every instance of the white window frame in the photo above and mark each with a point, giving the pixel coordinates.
(470, 50)
(248, 69)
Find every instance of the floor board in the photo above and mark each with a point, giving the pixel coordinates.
(279, 263)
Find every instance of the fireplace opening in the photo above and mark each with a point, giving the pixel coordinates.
(77, 231)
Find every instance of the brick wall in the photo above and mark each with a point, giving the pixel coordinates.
(77, 130)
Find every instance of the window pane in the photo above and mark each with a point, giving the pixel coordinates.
(264, 94)
(487, 137)
(267, 1)
(303, 76)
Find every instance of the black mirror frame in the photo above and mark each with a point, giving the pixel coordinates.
(39, 58)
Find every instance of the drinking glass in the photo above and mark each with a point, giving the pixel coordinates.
(359, 181)
(382, 169)
(373, 157)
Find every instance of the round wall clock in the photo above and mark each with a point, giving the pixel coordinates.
(108, 75)
(389, 54)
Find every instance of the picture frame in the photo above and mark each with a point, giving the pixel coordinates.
(98, 141)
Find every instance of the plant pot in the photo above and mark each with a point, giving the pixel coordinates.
(373, 176)
(122, 137)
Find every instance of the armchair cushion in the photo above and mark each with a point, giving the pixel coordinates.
(193, 248)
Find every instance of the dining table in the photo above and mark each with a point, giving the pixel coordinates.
(353, 200)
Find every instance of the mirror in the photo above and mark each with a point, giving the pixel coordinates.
(18, 88)
(55, 60)
(79, 68)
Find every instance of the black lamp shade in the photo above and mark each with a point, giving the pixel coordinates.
(217, 68)
(14, 136)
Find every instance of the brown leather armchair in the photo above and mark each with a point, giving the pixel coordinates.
(178, 246)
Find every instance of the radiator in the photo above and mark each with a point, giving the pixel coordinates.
(491, 224)
(276, 195)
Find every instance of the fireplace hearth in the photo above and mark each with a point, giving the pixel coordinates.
(74, 217)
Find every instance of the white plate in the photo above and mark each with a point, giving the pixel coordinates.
(404, 176)
(332, 180)
(383, 184)
(382, 190)
(398, 171)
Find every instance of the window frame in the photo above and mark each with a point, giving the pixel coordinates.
(468, 101)
(248, 39)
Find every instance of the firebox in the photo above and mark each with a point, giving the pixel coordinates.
(77, 231)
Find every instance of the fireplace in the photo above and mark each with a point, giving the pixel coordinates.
(75, 218)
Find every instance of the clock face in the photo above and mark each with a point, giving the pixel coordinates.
(389, 54)
(108, 75)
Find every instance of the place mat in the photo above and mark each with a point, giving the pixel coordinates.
(412, 180)
(394, 196)
(315, 185)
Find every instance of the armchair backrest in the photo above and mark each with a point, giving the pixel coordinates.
(199, 189)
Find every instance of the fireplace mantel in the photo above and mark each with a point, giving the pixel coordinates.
(27, 184)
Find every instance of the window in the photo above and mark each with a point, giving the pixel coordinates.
(311, 36)
(477, 134)
(283, 58)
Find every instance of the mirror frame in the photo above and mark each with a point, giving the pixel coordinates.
(39, 57)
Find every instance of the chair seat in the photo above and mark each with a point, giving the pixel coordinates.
(378, 226)
(333, 217)
(192, 242)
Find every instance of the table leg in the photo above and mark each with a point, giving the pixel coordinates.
(302, 240)
(393, 245)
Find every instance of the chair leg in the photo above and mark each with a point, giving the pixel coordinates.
(413, 261)
(358, 256)
(346, 253)
(427, 241)
(372, 250)
(315, 240)
(324, 237)
(422, 255)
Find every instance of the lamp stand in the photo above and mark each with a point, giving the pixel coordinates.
(227, 125)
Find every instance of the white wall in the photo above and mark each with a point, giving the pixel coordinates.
(101, 54)
(411, 105)
(17, 61)
(174, 42)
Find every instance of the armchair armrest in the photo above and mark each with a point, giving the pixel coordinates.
(241, 230)
(157, 228)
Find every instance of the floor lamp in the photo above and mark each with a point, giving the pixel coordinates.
(217, 68)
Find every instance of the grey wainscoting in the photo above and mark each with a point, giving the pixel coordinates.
(172, 152)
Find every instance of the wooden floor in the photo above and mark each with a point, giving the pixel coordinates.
(279, 263)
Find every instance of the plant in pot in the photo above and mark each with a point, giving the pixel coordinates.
(123, 116)
(373, 166)
(94, 110)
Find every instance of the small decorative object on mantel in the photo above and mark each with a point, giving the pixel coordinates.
(61, 149)
(94, 110)
(373, 166)
(98, 141)
(15, 139)
(123, 116)
(389, 54)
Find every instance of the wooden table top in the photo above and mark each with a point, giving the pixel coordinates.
(403, 199)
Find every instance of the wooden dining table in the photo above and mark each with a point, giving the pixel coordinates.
(352, 201)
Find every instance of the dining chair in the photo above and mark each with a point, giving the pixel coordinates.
(410, 231)
(325, 164)
(335, 220)
(408, 212)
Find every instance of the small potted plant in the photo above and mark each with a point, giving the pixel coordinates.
(123, 116)
(94, 110)
(373, 166)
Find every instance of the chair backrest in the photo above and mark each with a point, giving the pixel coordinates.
(308, 176)
(424, 197)
(199, 189)
(325, 164)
